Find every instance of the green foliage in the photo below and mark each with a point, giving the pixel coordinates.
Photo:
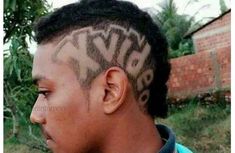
(19, 16)
(172, 24)
(17, 78)
(175, 26)
(223, 7)
(202, 128)
(185, 48)
(19, 92)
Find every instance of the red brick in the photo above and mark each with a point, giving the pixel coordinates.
(215, 41)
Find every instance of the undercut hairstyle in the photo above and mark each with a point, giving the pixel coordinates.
(114, 33)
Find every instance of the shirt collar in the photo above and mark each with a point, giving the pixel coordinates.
(169, 137)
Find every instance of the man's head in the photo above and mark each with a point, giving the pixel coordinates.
(96, 59)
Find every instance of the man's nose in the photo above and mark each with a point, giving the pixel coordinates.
(38, 113)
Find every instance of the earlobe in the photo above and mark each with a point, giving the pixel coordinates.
(115, 90)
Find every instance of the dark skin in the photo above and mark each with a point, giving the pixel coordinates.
(104, 118)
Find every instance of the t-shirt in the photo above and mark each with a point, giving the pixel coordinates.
(170, 145)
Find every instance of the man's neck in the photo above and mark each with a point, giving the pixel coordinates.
(133, 134)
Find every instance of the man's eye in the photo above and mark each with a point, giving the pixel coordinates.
(44, 93)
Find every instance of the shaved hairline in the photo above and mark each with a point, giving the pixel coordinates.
(141, 78)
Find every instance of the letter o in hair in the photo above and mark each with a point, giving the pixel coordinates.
(145, 79)
(144, 97)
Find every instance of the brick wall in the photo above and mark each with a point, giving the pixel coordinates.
(199, 73)
(213, 36)
(210, 68)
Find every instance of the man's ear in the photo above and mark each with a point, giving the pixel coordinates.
(116, 85)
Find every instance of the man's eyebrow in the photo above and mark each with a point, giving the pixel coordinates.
(38, 78)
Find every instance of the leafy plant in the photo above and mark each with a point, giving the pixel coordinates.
(19, 16)
(19, 93)
(185, 48)
(175, 26)
(223, 7)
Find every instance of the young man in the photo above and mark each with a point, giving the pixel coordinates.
(101, 69)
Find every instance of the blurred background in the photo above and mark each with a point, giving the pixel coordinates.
(199, 36)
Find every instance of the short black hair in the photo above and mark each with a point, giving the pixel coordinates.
(93, 12)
